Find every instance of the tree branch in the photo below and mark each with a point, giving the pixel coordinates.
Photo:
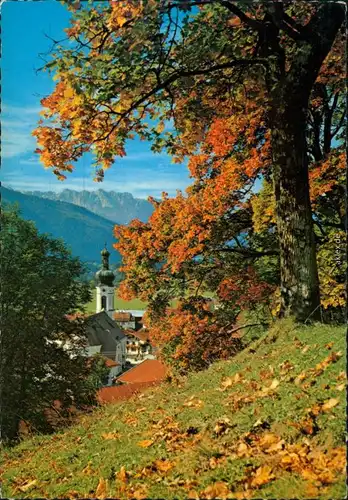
(248, 253)
(172, 78)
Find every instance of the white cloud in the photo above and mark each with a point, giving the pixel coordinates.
(139, 187)
(17, 125)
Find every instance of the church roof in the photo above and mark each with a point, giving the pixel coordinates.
(102, 330)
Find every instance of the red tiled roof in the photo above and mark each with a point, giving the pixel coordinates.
(122, 316)
(122, 392)
(150, 370)
(110, 363)
(144, 336)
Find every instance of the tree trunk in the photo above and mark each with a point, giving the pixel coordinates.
(299, 275)
(290, 94)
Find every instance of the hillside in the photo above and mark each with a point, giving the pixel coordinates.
(83, 231)
(117, 207)
(267, 424)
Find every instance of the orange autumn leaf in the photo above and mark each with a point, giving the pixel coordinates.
(111, 435)
(163, 465)
(219, 489)
(122, 475)
(101, 491)
(331, 403)
(145, 443)
(263, 475)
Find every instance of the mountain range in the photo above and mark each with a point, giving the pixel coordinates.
(117, 207)
(82, 230)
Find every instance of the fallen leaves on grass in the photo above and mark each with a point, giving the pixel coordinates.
(145, 443)
(319, 368)
(130, 420)
(263, 475)
(122, 475)
(340, 387)
(323, 407)
(110, 435)
(27, 485)
(311, 463)
(331, 403)
(194, 402)
(88, 470)
(285, 367)
(222, 426)
(230, 381)
(272, 387)
(163, 465)
(220, 489)
(102, 488)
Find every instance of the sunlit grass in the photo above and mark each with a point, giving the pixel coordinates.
(71, 463)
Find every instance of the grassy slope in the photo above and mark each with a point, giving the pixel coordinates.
(202, 460)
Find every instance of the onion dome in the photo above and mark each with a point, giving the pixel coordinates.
(105, 276)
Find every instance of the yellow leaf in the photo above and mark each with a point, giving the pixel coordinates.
(87, 470)
(274, 384)
(193, 402)
(27, 486)
(102, 487)
(263, 475)
(340, 387)
(68, 93)
(110, 435)
(122, 475)
(140, 494)
(163, 465)
(121, 20)
(217, 490)
(145, 443)
(331, 403)
(160, 127)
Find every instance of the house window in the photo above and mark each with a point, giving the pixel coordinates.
(103, 302)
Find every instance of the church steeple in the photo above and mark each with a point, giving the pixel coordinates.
(105, 276)
(105, 285)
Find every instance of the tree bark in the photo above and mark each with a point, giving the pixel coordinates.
(299, 275)
(300, 294)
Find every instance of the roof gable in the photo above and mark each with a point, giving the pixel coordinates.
(150, 370)
(102, 330)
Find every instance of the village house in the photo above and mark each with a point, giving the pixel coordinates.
(138, 347)
(144, 375)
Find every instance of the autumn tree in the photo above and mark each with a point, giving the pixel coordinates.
(40, 345)
(134, 65)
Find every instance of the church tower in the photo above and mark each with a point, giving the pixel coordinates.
(105, 286)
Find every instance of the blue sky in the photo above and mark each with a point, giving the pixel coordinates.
(24, 25)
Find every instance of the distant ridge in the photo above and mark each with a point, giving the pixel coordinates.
(120, 207)
(82, 230)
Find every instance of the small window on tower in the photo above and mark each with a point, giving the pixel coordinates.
(103, 302)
